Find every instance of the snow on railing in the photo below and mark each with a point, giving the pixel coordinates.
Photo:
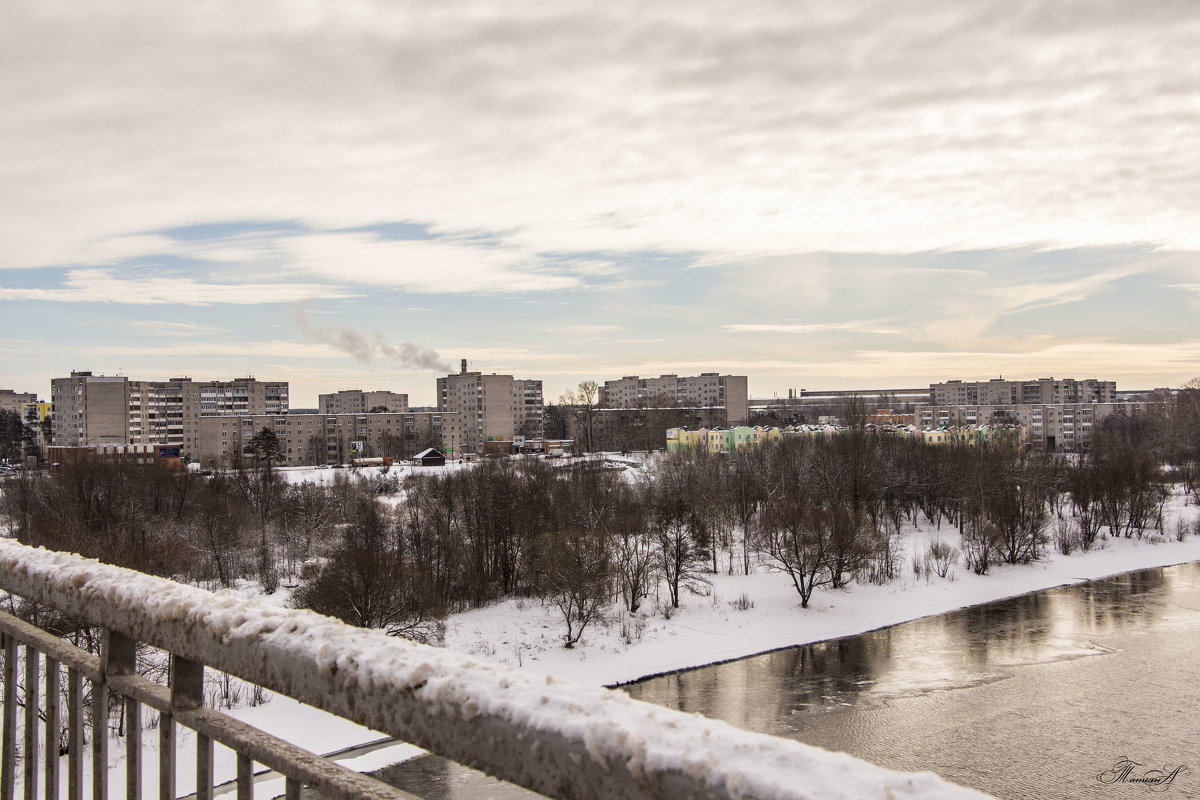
(560, 739)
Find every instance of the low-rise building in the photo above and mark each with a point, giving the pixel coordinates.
(719, 440)
(315, 439)
(112, 454)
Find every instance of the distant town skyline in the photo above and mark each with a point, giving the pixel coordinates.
(816, 196)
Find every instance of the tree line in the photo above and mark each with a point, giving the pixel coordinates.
(377, 551)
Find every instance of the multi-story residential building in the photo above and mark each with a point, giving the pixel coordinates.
(90, 409)
(11, 400)
(495, 406)
(528, 408)
(243, 396)
(164, 413)
(1056, 426)
(108, 410)
(313, 439)
(1001, 392)
(356, 401)
(706, 390)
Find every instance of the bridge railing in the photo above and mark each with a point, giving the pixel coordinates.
(553, 737)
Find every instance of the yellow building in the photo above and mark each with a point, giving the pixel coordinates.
(937, 436)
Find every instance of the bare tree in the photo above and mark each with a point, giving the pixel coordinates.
(582, 403)
(572, 572)
(796, 538)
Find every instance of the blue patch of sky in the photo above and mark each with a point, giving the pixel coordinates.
(394, 231)
(206, 231)
(164, 264)
(39, 278)
(1131, 309)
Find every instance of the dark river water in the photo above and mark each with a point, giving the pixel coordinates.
(1034, 697)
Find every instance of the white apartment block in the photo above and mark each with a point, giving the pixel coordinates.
(706, 390)
(356, 401)
(1056, 426)
(313, 439)
(11, 400)
(105, 410)
(1001, 392)
(491, 406)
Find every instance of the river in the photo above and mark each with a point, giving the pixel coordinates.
(1038, 696)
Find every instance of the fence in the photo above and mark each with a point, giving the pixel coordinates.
(552, 737)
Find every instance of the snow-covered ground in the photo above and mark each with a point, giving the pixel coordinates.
(740, 616)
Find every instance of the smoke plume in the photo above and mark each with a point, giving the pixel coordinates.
(368, 346)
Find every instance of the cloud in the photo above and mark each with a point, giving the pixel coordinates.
(864, 326)
(102, 286)
(781, 127)
(368, 346)
(165, 327)
(449, 267)
(586, 329)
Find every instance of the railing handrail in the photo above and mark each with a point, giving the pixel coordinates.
(557, 738)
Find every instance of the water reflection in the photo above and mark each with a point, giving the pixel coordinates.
(1024, 698)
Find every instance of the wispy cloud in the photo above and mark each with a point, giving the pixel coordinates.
(168, 327)
(864, 326)
(103, 286)
(585, 329)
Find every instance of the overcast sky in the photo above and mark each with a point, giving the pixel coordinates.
(357, 194)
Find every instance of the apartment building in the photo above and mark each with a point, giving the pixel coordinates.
(1055, 426)
(109, 410)
(528, 408)
(1041, 391)
(243, 396)
(90, 410)
(491, 406)
(11, 400)
(356, 401)
(314, 439)
(706, 390)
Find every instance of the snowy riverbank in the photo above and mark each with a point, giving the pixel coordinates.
(741, 615)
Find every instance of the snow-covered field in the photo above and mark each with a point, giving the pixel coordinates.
(739, 616)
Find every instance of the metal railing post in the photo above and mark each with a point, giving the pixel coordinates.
(33, 675)
(204, 767)
(53, 704)
(8, 758)
(187, 692)
(100, 739)
(74, 735)
(245, 777)
(118, 656)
